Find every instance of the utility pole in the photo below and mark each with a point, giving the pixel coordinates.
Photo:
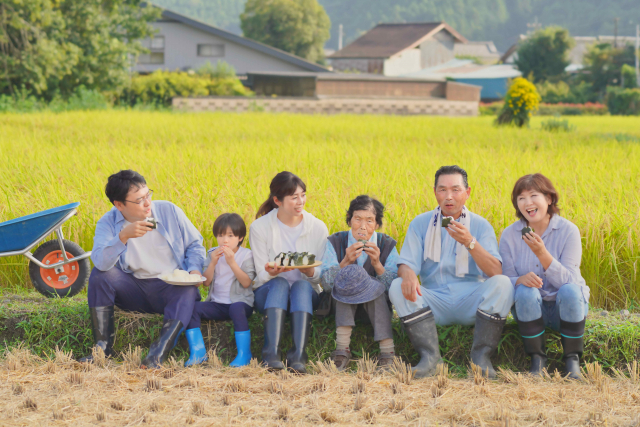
(615, 32)
(637, 55)
(533, 26)
(340, 35)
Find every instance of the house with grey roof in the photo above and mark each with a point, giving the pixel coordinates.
(396, 49)
(183, 43)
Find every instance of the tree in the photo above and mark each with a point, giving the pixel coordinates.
(50, 47)
(300, 27)
(545, 54)
(603, 64)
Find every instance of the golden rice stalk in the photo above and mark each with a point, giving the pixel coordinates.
(118, 406)
(254, 363)
(397, 405)
(592, 373)
(359, 402)
(442, 376)
(57, 414)
(402, 371)
(197, 408)
(153, 384)
(99, 358)
(327, 368)
(213, 359)
(75, 378)
(30, 404)
(168, 373)
(479, 377)
(132, 358)
(369, 415)
(275, 387)
(328, 416)
(17, 388)
(634, 372)
(101, 416)
(236, 386)
(63, 358)
(366, 366)
(283, 412)
(396, 387)
(319, 385)
(358, 386)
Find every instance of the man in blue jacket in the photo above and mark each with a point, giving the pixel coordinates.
(130, 253)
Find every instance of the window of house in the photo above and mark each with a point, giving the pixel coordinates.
(156, 54)
(211, 50)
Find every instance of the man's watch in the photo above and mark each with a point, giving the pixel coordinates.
(472, 244)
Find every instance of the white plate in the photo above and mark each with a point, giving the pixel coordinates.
(171, 282)
(272, 264)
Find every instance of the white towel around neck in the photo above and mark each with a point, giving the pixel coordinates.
(433, 242)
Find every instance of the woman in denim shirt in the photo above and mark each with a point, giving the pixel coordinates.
(543, 263)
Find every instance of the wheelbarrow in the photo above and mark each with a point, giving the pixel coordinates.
(57, 268)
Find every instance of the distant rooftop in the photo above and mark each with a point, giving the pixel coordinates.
(386, 40)
(466, 69)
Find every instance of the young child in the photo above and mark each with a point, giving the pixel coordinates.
(229, 271)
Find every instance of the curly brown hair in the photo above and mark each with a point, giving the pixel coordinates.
(535, 182)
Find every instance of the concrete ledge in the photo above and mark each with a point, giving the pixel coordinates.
(390, 106)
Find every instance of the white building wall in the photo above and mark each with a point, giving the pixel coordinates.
(406, 62)
(181, 52)
(437, 50)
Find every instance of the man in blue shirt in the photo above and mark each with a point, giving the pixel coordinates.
(454, 288)
(135, 242)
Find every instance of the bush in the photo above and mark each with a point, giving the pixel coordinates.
(563, 92)
(624, 102)
(521, 101)
(160, 87)
(81, 99)
(557, 125)
(566, 109)
(629, 79)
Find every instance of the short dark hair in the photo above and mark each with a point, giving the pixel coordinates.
(452, 170)
(232, 221)
(363, 203)
(119, 184)
(536, 182)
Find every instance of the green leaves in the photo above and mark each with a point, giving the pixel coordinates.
(545, 54)
(300, 27)
(51, 47)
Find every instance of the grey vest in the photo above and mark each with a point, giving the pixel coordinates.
(385, 243)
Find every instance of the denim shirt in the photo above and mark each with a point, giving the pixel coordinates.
(562, 240)
(183, 238)
(434, 275)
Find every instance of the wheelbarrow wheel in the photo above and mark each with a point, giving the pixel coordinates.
(64, 281)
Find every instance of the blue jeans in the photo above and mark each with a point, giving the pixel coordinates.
(569, 306)
(277, 293)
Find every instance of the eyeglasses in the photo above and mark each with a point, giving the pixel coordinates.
(142, 199)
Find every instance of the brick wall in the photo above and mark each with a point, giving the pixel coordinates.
(399, 106)
(462, 92)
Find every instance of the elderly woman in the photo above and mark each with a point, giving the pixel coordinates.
(541, 254)
(358, 266)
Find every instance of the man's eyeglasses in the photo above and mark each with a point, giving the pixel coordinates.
(142, 199)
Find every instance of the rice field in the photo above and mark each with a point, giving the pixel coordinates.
(59, 391)
(213, 163)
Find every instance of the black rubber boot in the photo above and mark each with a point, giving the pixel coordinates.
(534, 340)
(571, 336)
(104, 332)
(486, 337)
(300, 327)
(273, 328)
(160, 348)
(421, 328)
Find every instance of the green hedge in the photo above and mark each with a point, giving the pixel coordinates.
(589, 108)
(42, 324)
(625, 102)
(159, 87)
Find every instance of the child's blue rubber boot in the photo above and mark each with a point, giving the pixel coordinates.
(197, 351)
(243, 342)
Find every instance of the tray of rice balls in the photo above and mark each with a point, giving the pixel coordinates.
(295, 260)
(182, 278)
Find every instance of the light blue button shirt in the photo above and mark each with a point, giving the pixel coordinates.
(330, 258)
(434, 275)
(562, 240)
(183, 238)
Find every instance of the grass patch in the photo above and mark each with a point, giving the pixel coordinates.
(41, 325)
